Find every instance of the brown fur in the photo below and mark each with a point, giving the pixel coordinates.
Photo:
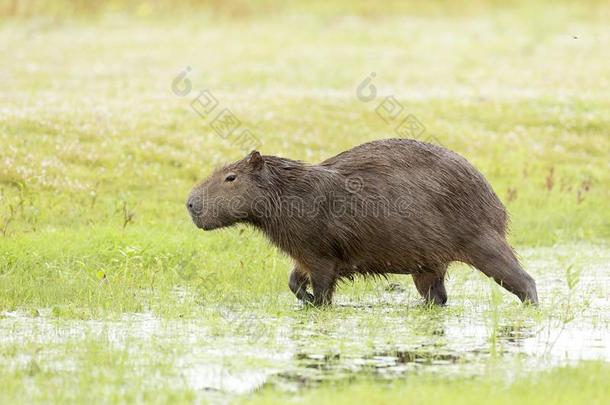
(389, 206)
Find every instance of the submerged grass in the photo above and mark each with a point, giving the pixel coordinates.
(585, 383)
(97, 372)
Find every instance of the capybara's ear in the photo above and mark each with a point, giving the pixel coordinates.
(255, 160)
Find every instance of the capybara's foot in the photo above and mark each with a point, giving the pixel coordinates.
(323, 285)
(431, 286)
(529, 295)
(298, 283)
(437, 297)
(321, 301)
(307, 298)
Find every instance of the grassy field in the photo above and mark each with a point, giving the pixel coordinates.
(108, 291)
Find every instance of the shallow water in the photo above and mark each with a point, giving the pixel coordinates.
(385, 333)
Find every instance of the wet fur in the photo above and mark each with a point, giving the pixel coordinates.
(449, 213)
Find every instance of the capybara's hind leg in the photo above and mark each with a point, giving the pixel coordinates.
(493, 256)
(298, 282)
(430, 283)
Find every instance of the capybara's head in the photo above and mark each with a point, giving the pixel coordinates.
(227, 195)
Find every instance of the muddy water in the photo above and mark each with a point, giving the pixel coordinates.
(385, 332)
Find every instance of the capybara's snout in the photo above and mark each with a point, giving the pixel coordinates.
(194, 206)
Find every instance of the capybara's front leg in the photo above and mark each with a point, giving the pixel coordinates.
(430, 284)
(323, 284)
(299, 280)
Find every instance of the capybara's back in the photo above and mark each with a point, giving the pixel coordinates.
(437, 202)
(389, 206)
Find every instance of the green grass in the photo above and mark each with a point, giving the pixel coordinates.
(581, 384)
(97, 156)
(98, 367)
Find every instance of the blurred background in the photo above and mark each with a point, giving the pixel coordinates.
(519, 88)
(249, 8)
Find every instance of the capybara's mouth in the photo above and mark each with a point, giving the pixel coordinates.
(205, 226)
(209, 227)
(197, 221)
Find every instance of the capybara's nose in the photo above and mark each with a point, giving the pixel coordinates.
(194, 205)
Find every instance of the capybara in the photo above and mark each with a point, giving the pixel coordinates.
(390, 206)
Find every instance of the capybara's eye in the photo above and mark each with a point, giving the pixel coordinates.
(230, 177)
